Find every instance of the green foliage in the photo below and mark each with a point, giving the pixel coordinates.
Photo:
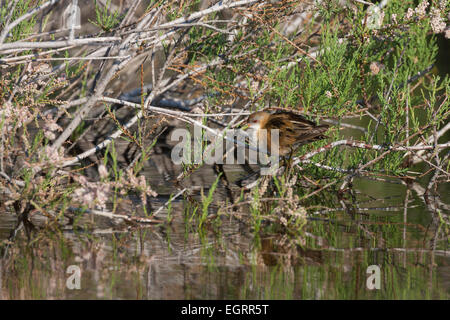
(206, 201)
(25, 27)
(104, 19)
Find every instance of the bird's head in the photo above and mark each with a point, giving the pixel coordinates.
(255, 120)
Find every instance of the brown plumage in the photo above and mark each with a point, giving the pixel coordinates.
(295, 130)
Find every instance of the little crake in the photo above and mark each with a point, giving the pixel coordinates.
(294, 129)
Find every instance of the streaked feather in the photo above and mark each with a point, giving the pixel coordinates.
(294, 129)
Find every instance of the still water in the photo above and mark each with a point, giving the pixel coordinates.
(386, 223)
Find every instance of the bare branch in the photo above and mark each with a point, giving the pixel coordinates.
(58, 44)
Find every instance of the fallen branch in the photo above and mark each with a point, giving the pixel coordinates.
(363, 145)
(125, 217)
(23, 45)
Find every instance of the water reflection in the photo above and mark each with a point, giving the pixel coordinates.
(234, 262)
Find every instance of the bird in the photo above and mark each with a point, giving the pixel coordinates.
(294, 129)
